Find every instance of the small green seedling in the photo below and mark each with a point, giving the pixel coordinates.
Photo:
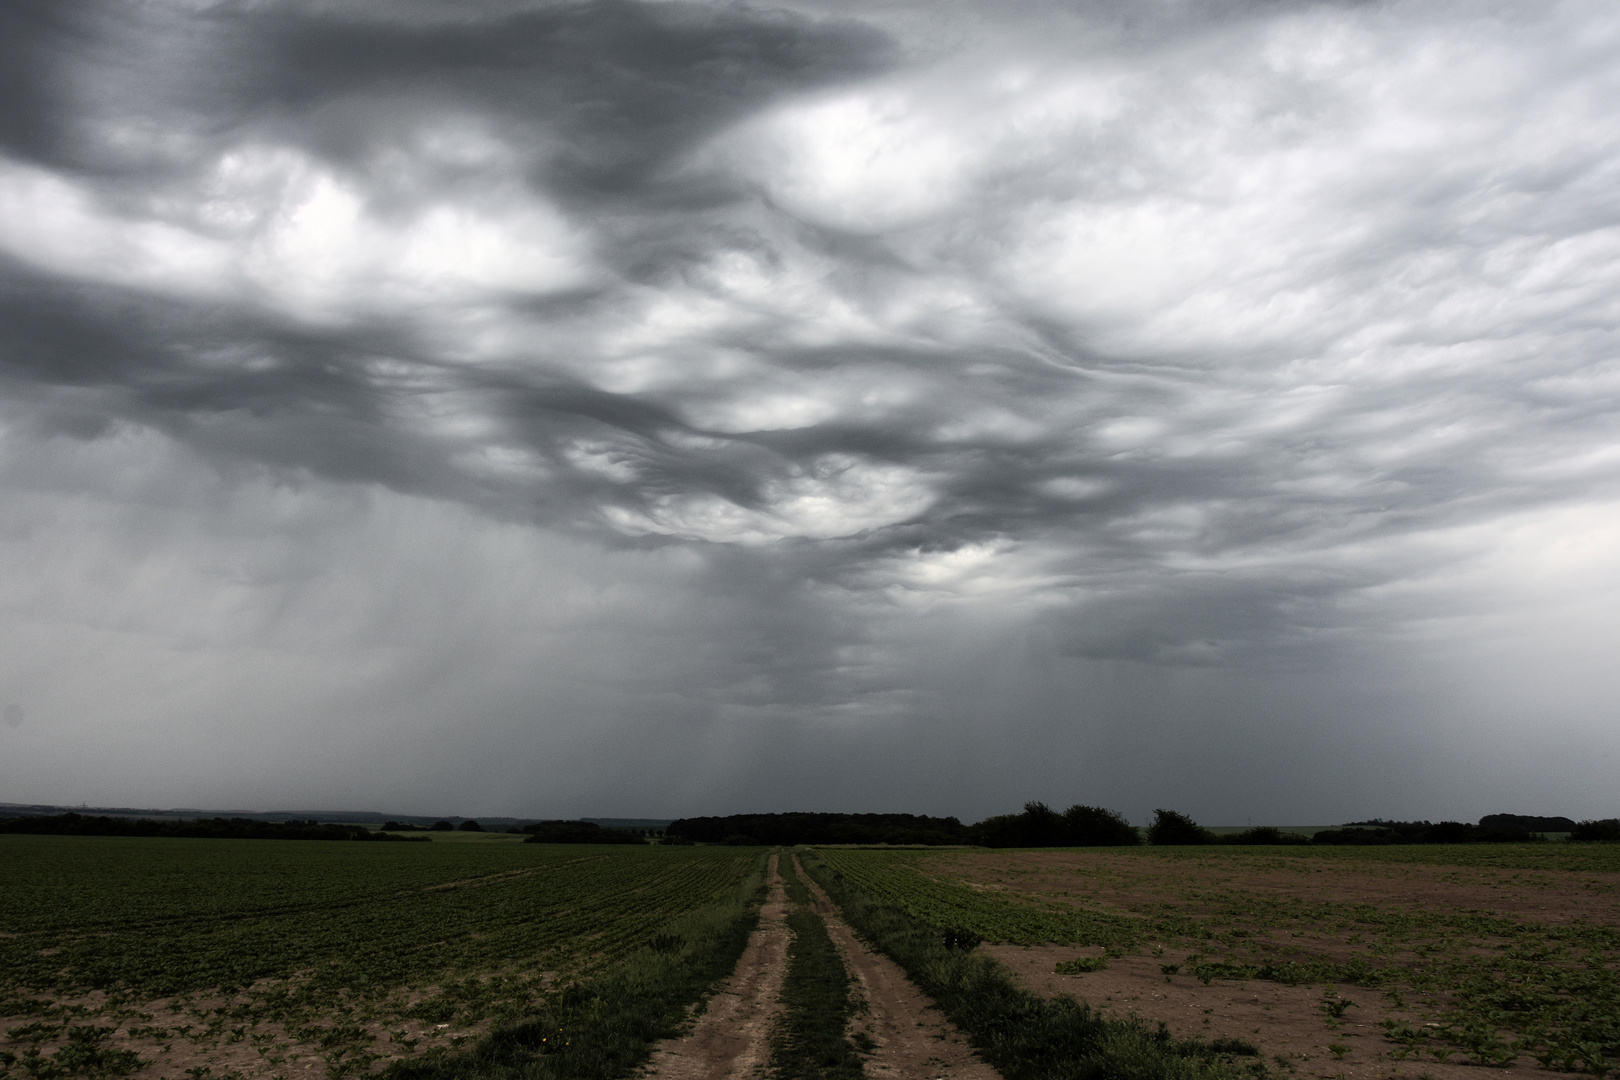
(1334, 1005)
(1082, 964)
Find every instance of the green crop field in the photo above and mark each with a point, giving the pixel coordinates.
(262, 954)
(1462, 972)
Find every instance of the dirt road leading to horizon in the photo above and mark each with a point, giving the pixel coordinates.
(732, 1037)
(914, 1040)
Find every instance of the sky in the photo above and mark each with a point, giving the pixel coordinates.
(626, 408)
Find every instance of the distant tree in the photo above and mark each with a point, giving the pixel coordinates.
(1092, 826)
(1606, 831)
(575, 832)
(802, 828)
(219, 828)
(1265, 834)
(470, 826)
(1172, 828)
(999, 831)
(1041, 826)
(441, 826)
(1526, 823)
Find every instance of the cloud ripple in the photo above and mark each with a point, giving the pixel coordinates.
(1198, 337)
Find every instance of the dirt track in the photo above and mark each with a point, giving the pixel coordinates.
(914, 1042)
(732, 1039)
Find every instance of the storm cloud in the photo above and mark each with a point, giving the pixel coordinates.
(665, 408)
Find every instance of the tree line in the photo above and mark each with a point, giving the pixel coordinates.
(1038, 825)
(208, 828)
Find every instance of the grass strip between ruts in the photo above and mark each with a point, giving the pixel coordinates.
(810, 1042)
(606, 1027)
(1025, 1036)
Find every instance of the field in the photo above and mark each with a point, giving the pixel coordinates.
(476, 956)
(1355, 963)
(172, 957)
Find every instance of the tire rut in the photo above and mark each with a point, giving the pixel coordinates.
(732, 1038)
(914, 1040)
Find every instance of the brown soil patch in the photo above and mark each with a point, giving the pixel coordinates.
(731, 1039)
(914, 1041)
(1283, 908)
(1280, 1021)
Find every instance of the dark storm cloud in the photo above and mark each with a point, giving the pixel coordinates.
(614, 90)
(1216, 337)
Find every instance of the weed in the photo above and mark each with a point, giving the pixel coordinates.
(1082, 964)
(1334, 1005)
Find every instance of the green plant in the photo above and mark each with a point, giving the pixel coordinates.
(1334, 1005)
(1081, 964)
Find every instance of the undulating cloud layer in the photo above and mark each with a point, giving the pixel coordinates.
(660, 408)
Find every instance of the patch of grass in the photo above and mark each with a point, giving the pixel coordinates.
(1022, 1035)
(809, 1042)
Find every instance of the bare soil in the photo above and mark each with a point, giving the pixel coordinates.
(731, 1038)
(260, 1049)
(913, 1040)
(1288, 1024)
(1280, 1021)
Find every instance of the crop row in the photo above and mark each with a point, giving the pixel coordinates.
(563, 910)
(295, 945)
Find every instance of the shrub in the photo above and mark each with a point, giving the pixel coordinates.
(470, 826)
(441, 826)
(1172, 828)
